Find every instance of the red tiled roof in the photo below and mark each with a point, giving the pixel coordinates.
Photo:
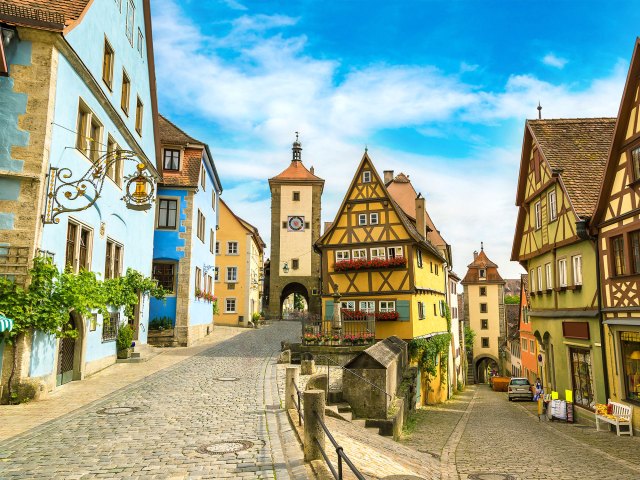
(46, 14)
(482, 261)
(171, 134)
(296, 171)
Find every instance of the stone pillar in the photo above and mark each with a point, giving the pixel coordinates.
(314, 402)
(336, 321)
(289, 390)
(307, 367)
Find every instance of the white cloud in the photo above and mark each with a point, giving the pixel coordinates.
(553, 60)
(260, 85)
(234, 5)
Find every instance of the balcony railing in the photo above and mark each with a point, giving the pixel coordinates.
(360, 330)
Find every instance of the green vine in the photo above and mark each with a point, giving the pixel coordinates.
(431, 353)
(469, 337)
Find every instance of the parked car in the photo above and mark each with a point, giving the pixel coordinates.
(519, 388)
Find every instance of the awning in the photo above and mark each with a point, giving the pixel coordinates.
(6, 324)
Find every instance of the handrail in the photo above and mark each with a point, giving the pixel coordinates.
(351, 372)
(339, 451)
(298, 403)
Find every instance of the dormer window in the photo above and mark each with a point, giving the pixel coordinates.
(366, 176)
(171, 159)
(483, 273)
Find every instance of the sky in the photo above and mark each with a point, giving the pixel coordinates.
(439, 90)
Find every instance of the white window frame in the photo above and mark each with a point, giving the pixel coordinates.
(374, 218)
(532, 279)
(395, 252)
(552, 205)
(377, 251)
(525, 345)
(232, 251)
(547, 269)
(231, 275)
(348, 305)
(226, 305)
(367, 306)
(562, 272)
(342, 255)
(362, 219)
(576, 264)
(366, 176)
(538, 214)
(217, 252)
(359, 254)
(385, 306)
(539, 272)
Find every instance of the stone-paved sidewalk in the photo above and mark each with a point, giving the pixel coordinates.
(16, 419)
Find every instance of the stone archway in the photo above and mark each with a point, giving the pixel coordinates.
(293, 288)
(484, 364)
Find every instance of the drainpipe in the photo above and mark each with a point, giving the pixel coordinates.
(583, 232)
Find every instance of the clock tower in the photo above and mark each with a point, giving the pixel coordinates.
(295, 226)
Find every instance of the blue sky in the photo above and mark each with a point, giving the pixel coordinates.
(437, 90)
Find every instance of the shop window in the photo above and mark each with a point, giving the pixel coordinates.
(630, 346)
(582, 377)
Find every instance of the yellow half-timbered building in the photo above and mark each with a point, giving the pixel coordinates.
(617, 223)
(381, 262)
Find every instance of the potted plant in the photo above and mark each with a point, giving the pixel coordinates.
(255, 318)
(124, 341)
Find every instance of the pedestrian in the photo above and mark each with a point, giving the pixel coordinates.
(538, 390)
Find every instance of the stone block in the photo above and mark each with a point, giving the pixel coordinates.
(318, 381)
(308, 367)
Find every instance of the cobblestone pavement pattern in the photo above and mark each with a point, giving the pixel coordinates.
(178, 414)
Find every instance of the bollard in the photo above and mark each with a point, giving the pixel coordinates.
(313, 403)
(307, 367)
(289, 389)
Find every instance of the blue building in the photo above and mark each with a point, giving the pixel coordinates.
(76, 83)
(184, 248)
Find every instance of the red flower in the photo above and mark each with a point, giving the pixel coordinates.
(362, 263)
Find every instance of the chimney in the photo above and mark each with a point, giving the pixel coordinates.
(421, 223)
(475, 254)
(388, 176)
(312, 170)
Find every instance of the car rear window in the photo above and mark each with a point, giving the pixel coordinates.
(520, 381)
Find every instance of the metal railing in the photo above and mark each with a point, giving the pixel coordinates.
(354, 331)
(339, 452)
(298, 403)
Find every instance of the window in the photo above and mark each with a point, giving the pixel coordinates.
(125, 92)
(201, 226)
(295, 264)
(434, 310)
(630, 345)
(484, 324)
(212, 243)
(524, 344)
(232, 274)
(538, 212)
(395, 252)
(119, 4)
(232, 248)
(171, 159)
(552, 206)
(378, 252)
(362, 219)
(114, 162)
(437, 269)
(367, 306)
(483, 308)
(110, 327)
(348, 305)
(539, 272)
(230, 305)
(617, 249)
(342, 255)
(421, 314)
(78, 247)
(634, 243)
(165, 274)
(373, 219)
(419, 258)
(167, 213)
(483, 291)
(139, 112)
(547, 271)
(387, 306)
(485, 342)
(562, 272)
(532, 346)
(213, 200)
(140, 38)
(359, 254)
(582, 377)
(107, 64)
(216, 273)
(431, 267)
(532, 278)
(89, 136)
(113, 260)
(483, 273)
(577, 269)
(366, 176)
(203, 177)
(296, 196)
(131, 12)
(635, 163)
(217, 248)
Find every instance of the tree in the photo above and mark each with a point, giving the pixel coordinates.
(298, 302)
(512, 299)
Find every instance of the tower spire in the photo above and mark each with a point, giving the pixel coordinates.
(539, 111)
(297, 150)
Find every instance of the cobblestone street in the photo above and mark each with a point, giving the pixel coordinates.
(169, 424)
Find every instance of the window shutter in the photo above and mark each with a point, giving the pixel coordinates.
(328, 310)
(402, 307)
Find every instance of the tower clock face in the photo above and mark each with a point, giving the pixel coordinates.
(295, 223)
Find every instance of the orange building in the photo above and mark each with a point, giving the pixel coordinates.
(528, 343)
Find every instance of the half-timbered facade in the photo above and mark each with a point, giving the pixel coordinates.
(381, 263)
(617, 222)
(561, 167)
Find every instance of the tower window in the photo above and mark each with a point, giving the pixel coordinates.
(296, 196)
(295, 264)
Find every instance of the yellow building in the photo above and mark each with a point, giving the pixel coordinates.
(382, 265)
(238, 276)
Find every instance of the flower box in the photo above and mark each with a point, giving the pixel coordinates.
(387, 316)
(364, 264)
